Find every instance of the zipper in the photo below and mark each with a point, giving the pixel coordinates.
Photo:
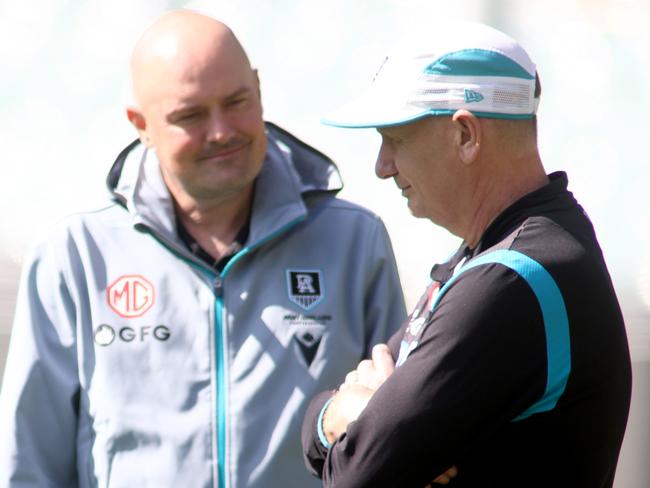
(218, 290)
(221, 381)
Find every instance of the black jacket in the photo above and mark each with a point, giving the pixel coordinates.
(511, 396)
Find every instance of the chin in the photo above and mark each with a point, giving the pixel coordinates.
(416, 211)
(420, 216)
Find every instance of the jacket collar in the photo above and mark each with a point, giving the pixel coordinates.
(291, 172)
(550, 197)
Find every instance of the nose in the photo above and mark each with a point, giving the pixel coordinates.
(385, 164)
(220, 129)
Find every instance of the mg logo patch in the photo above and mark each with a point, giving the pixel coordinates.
(304, 287)
(131, 296)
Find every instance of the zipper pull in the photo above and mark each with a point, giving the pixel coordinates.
(218, 286)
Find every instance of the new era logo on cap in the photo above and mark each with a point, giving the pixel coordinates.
(472, 96)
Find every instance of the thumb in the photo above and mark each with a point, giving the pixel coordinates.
(383, 360)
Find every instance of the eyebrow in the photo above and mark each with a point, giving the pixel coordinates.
(239, 92)
(385, 132)
(191, 107)
(387, 129)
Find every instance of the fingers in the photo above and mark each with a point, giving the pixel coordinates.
(368, 375)
(371, 373)
(446, 477)
(443, 479)
(351, 378)
(383, 361)
(345, 407)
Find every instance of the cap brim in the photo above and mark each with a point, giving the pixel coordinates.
(370, 111)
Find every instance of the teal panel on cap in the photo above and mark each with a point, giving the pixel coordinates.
(477, 62)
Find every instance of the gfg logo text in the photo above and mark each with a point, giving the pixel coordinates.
(106, 335)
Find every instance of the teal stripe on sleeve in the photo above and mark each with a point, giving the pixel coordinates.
(556, 322)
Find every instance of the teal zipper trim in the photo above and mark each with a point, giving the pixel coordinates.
(220, 351)
(221, 393)
(248, 249)
(219, 345)
(221, 437)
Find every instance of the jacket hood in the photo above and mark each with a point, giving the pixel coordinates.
(315, 170)
(292, 172)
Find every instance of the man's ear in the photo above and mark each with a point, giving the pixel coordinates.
(139, 122)
(258, 84)
(468, 135)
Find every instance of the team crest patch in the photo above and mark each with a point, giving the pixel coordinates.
(305, 287)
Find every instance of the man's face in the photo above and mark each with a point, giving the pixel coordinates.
(204, 120)
(419, 157)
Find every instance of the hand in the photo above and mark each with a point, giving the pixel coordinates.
(445, 477)
(371, 373)
(356, 391)
(345, 407)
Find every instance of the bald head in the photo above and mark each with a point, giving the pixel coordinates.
(181, 43)
(197, 103)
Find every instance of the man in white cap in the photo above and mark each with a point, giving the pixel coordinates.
(514, 365)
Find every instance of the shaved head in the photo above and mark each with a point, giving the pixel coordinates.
(197, 104)
(180, 42)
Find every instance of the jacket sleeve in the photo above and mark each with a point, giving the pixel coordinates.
(385, 312)
(478, 365)
(40, 390)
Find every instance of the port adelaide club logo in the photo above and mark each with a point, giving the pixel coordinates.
(130, 296)
(304, 287)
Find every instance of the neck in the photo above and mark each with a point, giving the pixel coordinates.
(215, 225)
(499, 192)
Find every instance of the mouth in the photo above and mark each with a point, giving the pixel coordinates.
(223, 153)
(404, 189)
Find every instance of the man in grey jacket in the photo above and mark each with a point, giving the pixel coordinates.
(174, 336)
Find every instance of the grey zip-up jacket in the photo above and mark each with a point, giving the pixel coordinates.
(132, 363)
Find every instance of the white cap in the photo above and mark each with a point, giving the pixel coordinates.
(465, 66)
